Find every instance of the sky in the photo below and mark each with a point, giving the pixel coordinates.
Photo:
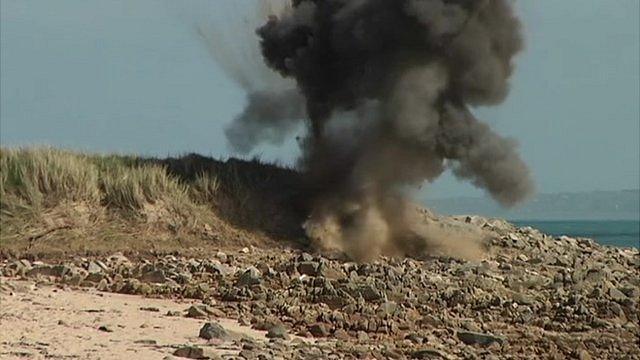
(133, 76)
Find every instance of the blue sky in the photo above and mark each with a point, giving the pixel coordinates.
(132, 76)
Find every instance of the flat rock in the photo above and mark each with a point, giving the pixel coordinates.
(195, 352)
(155, 276)
(473, 338)
(428, 354)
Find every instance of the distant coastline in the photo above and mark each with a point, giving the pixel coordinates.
(569, 206)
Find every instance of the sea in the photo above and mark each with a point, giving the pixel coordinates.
(623, 233)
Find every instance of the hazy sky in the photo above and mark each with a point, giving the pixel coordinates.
(133, 76)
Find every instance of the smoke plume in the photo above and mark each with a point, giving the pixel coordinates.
(385, 88)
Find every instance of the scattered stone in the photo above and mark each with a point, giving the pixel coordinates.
(278, 331)
(195, 352)
(473, 338)
(105, 328)
(200, 311)
(523, 299)
(95, 277)
(213, 330)
(150, 308)
(146, 342)
(221, 256)
(251, 276)
(387, 308)
(155, 276)
(546, 290)
(428, 354)
(617, 295)
(308, 268)
(318, 330)
(94, 268)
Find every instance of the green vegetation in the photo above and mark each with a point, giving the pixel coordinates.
(54, 200)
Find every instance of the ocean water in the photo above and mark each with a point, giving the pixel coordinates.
(624, 233)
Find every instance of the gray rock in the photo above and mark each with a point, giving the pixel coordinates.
(49, 270)
(199, 311)
(428, 354)
(318, 330)
(369, 293)
(20, 266)
(472, 338)
(617, 295)
(94, 268)
(523, 299)
(277, 331)
(387, 308)
(195, 352)
(94, 277)
(221, 256)
(213, 330)
(251, 276)
(146, 342)
(154, 276)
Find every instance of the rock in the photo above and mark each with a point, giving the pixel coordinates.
(94, 277)
(330, 273)
(277, 331)
(617, 295)
(154, 276)
(305, 257)
(583, 355)
(199, 311)
(195, 352)
(221, 256)
(105, 328)
(362, 335)
(251, 276)
(49, 270)
(523, 299)
(212, 330)
(20, 267)
(94, 268)
(146, 342)
(150, 308)
(428, 354)
(370, 293)
(472, 338)
(318, 330)
(308, 268)
(341, 334)
(631, 292)
(387, 308)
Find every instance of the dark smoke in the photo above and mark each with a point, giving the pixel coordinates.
(386, 86)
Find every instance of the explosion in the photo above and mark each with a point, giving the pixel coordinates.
(385, 88)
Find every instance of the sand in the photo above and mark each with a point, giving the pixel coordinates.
(45, 321)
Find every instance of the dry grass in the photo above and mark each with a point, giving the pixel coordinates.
(57, 201)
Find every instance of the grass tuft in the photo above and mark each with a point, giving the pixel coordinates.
(44, 177)
(88, 201)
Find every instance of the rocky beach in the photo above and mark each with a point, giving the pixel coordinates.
(529, 296)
